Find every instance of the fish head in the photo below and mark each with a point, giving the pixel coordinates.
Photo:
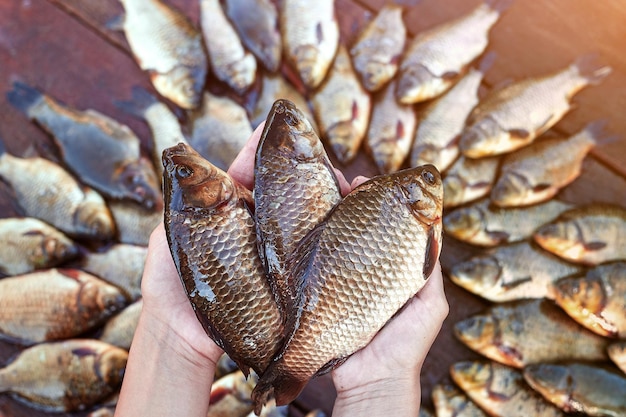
(511, 189)
(479, 274)
(553, 381)
(53, 249)
(421, 189)
(182, 84)
(376, 74)
(417, 83)
(477, 332)
(464, 223)
(561, 237)
(471, 375)
(191, 183)
(453, 190)
(482, 138)
(111, 365)
(307, 61)
(140, 181)
(341, 137)
(580, 294)
(93, 219)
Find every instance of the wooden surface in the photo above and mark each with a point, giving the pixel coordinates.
(65, 48)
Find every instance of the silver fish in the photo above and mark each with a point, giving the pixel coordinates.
(468, 180)
(451, 402)
(617, 353)
(120, 329)
(134, 223)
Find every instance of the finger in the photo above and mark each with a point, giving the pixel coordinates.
(344, 186)
(358, 181)
(242, 168)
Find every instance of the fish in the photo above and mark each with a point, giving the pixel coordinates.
(592, 389)
(295, 187)
(500, 390)
(310, 34)
(385, 254)
(513, 116)
(29, 244)
(120, 329)
(590, 234)
(224, 366)
(66, 376)
(537, 173)
(342, 108)
(617, 353)
(212, 239)
(230, 62)
(377, 51)
(134, 223)
(230, 395)
(83, 137)
(468, 180)
(272, 410)
(391, 130)
(169, 48)
(512, 272)
(55, 304)
(102, 412)
(596, 299)
(530, 331)
(484, 224)
(256, 22)
(46, 191)
(219, 129)
(437, 57)
(449, 401)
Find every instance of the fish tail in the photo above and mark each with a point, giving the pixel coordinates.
(283, 386)
(596, 131)
(23, 96)
(499, 5)
(141, 100)
(487, 61)
(591, 69)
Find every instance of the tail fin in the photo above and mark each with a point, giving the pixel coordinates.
(499, 6)
(282, 385)
(589, 67)
(487, 61)
(23, 96)
(596, 131)
(141, 100)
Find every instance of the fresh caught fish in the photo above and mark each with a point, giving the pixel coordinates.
(484, 224)
(134, 223)
(590, 235)
(28, 244)
(451, 402)
(228, 59)
(529, 331)
(167, 45)
(256, 21)
(513, 116)
(512, 272)
(120, 329)
(377, 51)
(66, 376)
(211, 236)
(46, 191)
(391, 130)
(55, 304)
(500, 390)
(536, 173)
(310, 36)
(468, 180)
(103, 153)
(617, 353)
(272, 410)
(342, 108)
(597, 299)
(295, 188)
(230, 395)
(592, 389)
(398, 223)
(435, 59)
(219, 129)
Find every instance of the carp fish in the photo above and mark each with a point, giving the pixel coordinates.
(513, 116)
(167, 45)
(66, 376)
(469, 179)
(212, 239)
(592, 389)
(617, 353)
(377, 51)
(386, 251)
(103, 153)
(134, 223)
(342, 108)
(451, 402)
(230, 395)
(437, 57)
(590, 235)
(294, 189)
(523, 332)
(120, 329)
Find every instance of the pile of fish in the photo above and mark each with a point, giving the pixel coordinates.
(74, 259)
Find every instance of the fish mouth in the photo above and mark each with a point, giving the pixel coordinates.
(169, 154)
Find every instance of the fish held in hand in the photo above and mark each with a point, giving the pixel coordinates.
(381, 244)
(212, 239)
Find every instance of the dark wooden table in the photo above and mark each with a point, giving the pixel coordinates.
(65, 48)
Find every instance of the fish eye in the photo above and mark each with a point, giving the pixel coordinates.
(290, 119)
(183, 171)
(428, 177)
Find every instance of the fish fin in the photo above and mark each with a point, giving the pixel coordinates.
(450, 75)
(502, 84)
(330, 365)
(283, 386)
(141, 100)
(589, 68)
(116, 23)
(404, 4)
(596, 245)
(487, 61)
(596, 131)
(519, 134)
(541, 187)
(480, 184)
(516, 283)
(499, 5)
(431, 254)
(83, 352)
(23, 96)
(499, 236)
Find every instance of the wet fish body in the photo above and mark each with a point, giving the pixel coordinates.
(134, 223)
(65, 376)
(399, 224)
(536, 173)
(295, 188)
(617, 353)
(468, 180)
(28, 244)
(169, 48)
(377, 51)
(513, 116)
(230, 395)
(310, 36)
(391, 130)
(83, 137)
(120, 329)
(589, 235)
(587, 388)
(342, 108)
(225, 283)
(451, 402)
(485, 224)
(512, 272)
(500, 390)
